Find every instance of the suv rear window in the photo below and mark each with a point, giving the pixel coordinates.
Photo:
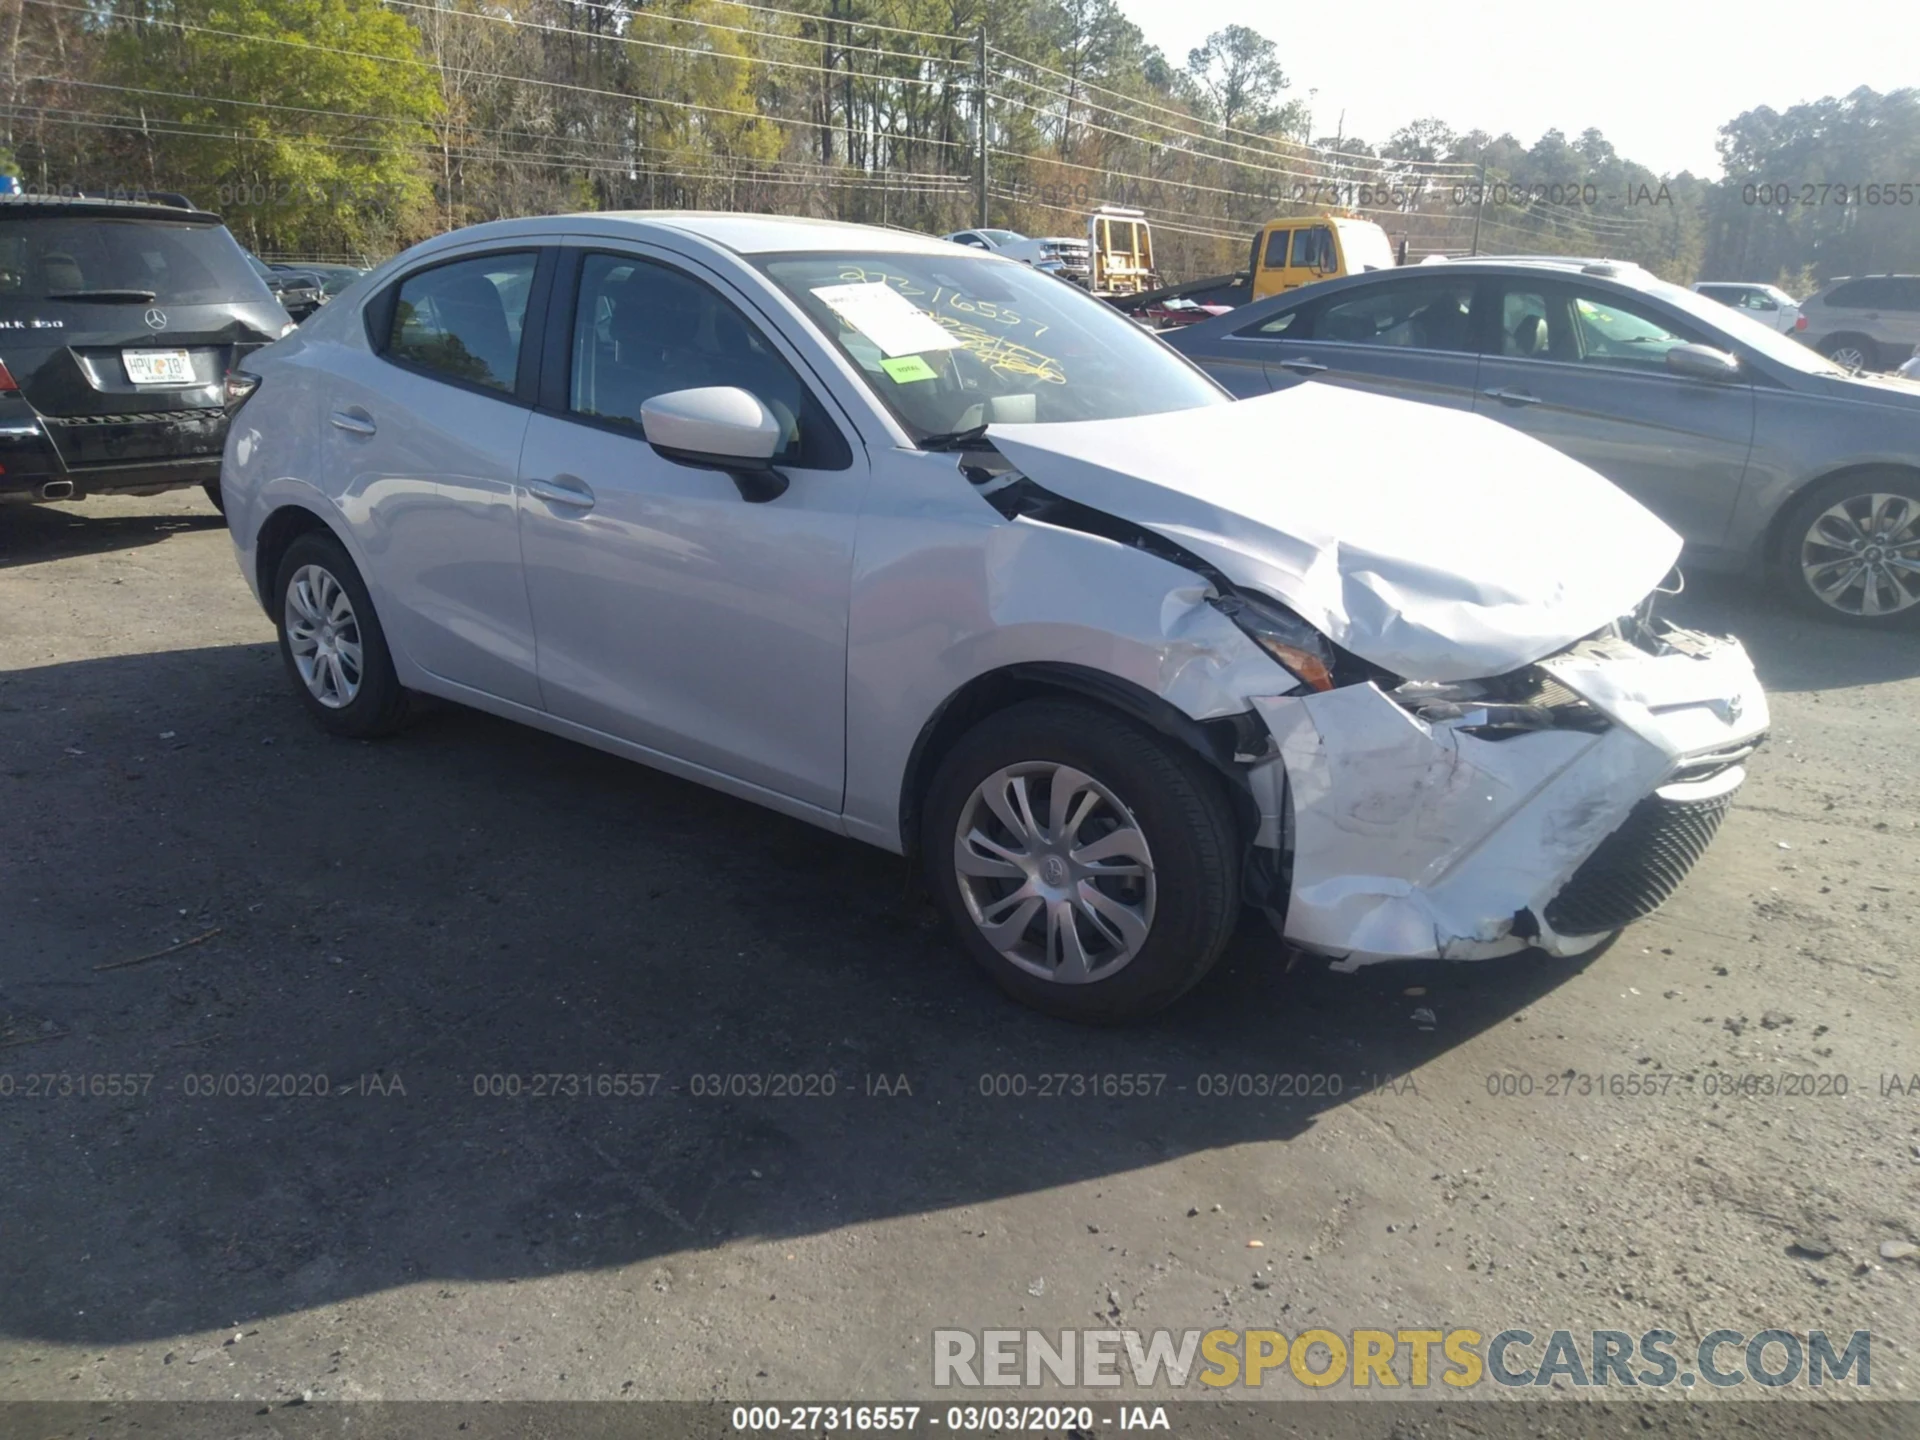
(50, 257)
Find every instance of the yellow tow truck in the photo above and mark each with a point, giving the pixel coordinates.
(1298, 250)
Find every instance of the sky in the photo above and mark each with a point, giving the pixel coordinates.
(1657, 79)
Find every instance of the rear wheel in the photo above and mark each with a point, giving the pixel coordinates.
(332, 643)
(1851, 549)
(1089, 866)
(1855, 352)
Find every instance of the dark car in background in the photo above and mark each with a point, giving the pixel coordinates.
(121, 323)
(1763, 455)
(333, 278)
(300, 292)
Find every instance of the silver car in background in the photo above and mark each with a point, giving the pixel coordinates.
(932, 551)
(1765, 456)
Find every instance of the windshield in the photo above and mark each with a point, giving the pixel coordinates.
(51, 257)
(1367, 248)
(1738, 325)
(951, 342)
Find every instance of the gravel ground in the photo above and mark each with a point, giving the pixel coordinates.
(404, 924)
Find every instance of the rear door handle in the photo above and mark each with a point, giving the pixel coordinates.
(568, 490)
(1301, 366)
(355, 421)
(1511, 397)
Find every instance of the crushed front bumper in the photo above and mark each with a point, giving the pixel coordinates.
(1412, 840)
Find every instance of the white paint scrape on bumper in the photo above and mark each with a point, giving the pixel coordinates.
(1415, 840)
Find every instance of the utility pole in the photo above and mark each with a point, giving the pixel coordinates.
(1479, 204)
(980, 93)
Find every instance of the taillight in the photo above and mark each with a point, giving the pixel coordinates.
(8, 385)
(1799, 322)
(239, 386)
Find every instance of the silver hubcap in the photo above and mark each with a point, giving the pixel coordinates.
(1849, 356)
(324, 635)
(1862, 555)
(1055, 871)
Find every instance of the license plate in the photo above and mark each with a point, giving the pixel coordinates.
(158, 367)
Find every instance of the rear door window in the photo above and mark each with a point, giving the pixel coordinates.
(141, 261)
(1276, 256)
(463, 320)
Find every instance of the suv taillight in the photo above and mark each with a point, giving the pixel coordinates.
(1800, 322)
(8, 385)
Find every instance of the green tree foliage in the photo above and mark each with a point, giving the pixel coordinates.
(1817, 190)
(306, 117)
(325, 126)
(1240, 81)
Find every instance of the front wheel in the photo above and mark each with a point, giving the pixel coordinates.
(1851, 550)
(332, 642)
(1090, 866)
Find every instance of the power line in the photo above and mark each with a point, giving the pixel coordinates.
(139, 125)
(1277, 161)
(624, 145)
(184, 26)
(542, 26)
(1453, 165)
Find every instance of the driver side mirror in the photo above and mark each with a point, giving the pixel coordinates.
(1703, 362)
(718, 427)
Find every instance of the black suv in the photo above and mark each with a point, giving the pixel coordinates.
(120, 323)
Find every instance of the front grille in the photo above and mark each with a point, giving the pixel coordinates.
(1638, 866)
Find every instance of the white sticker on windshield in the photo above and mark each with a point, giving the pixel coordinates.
(887, 318)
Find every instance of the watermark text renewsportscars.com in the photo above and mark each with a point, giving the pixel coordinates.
(1319, 1360)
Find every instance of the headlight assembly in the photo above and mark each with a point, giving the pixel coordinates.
(1303, 650)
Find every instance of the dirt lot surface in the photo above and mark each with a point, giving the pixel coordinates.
(411, 924)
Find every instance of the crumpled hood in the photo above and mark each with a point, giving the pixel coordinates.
(1439, 544)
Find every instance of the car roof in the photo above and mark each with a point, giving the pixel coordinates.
(741, 234)
(765, 234)
(12, 206)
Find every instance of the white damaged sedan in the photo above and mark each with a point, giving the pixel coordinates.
(935, 552)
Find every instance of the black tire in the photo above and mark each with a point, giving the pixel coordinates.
(212, 489)
(378, 705)
(1846, 340)
(1800, 544)
(1176, 802)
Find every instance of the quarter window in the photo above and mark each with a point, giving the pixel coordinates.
(1276, 256)
(642, 329)
(1870, 294)
(464, 320)
(1422, 315)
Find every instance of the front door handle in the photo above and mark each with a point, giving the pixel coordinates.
(568, 490)
(354, 421)
(1511, 397)
(1302, 366)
